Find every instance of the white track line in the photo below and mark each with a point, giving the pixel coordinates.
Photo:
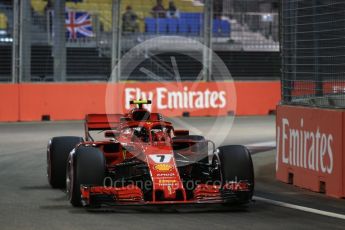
(263, 144)
(300, 208)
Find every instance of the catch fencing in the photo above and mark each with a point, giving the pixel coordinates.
(239, 38)
(313, 48)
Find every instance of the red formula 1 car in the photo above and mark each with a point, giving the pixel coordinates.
(143, 160)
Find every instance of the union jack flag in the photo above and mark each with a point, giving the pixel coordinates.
(78, 25)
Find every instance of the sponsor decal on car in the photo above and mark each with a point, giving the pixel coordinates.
(166, 174)
(161, 158)
(170, 190)
(163, 167)
(167, 182)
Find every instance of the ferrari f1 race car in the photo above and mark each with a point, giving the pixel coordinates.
(143, 160)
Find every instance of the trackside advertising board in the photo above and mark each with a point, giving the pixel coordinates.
(72, 101)
(310, 146)
(173, 99)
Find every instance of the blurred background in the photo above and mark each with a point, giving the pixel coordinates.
(82, 40)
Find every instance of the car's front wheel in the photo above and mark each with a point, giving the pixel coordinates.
(57, 153)
(85, 166)
(234, 163)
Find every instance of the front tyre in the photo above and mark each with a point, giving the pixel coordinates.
(57, 153)
(85, 166)
(234, 163)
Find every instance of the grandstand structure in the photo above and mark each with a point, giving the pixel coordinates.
(242, 37)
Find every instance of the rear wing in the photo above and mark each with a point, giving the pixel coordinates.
(140, 103)
(101, 122)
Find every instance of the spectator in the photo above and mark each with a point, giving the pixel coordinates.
(129, 21)
(158, 10)
(3, 24)
(217, 9)
(172, 11)
(49, 6)
(7, 2)
(48, 11)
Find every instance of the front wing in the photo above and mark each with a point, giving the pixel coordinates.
(231, 193)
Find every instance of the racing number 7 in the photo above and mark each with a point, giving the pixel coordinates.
(162, 157)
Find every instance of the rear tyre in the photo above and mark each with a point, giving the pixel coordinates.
(234, 163)
(85, 166)
(57, 153)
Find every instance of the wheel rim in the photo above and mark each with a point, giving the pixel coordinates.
(49, 167)
(217, 174)
(69, 178)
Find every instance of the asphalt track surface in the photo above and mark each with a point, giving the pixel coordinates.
(27, 202)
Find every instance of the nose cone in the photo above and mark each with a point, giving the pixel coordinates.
(167, 184)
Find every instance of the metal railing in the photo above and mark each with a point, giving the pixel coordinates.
(89, 58)
(313, 49)
(6, 17)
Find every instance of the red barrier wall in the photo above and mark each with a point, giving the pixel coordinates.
(9, 104)
(310, 146)
(257, 98)
(71, 101)
(60, 101)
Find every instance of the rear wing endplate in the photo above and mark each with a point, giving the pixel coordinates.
(101, 122)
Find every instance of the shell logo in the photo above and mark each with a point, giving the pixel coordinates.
(163, 167)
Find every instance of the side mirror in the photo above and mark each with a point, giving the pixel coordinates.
(181, 132)
(111, 134)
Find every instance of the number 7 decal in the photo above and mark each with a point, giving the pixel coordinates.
(161, 158)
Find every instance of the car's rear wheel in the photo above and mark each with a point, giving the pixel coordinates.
(234, 163)
(57, 153)
(85, 166)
